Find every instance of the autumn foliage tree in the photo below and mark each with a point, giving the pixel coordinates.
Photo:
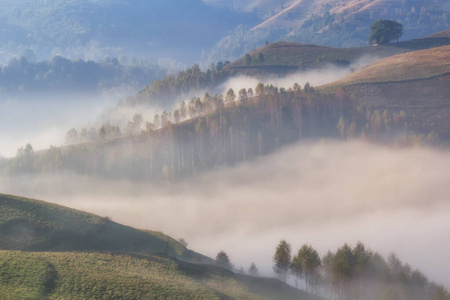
(282, 260)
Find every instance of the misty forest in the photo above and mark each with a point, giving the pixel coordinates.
(210, 149)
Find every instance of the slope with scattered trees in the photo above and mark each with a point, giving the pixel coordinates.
(218, 131)
(92, 257)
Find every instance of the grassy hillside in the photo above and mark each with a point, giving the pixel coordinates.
(114, 273)
(417, 82)
(418, 65)
(33, 225)
(284, 57)
(118, 276)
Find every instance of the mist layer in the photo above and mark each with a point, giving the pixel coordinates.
(322, 193)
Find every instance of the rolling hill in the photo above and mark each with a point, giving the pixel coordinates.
(92, 257)
(32, 225)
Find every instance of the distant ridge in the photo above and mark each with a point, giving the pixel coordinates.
(286, 57)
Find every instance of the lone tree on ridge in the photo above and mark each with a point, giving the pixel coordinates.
(385, 31)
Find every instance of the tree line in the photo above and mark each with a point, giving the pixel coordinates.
(60, 74)
(354, 273)
(349, 273)
(216, 131)
(164, 92)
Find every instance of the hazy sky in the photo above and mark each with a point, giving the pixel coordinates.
(44, 120)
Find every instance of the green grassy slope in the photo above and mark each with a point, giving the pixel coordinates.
(284, 57)
(26, 275)
(33, 225)
(74, 270)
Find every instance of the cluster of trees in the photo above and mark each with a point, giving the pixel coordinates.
(354, 273)
(164, 92)
(304, 265)
(60, 74)
(222, 260)
(256, 59)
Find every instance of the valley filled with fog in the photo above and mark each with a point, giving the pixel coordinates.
(323, 193)
(229, 126)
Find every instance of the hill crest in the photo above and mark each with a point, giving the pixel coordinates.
(285, 57)
(34, 225)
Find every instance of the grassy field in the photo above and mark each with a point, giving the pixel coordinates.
(105, 276)
(33, 225)
(44, 275)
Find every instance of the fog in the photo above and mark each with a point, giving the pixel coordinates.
(40, 122)
(322, 193)
(316, 77)
(43, 120)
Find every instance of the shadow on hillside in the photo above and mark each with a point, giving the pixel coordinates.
(424, 43)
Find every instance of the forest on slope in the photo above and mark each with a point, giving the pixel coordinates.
(224, 129)
(24, 77)
(216, 131)
(92, 30)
